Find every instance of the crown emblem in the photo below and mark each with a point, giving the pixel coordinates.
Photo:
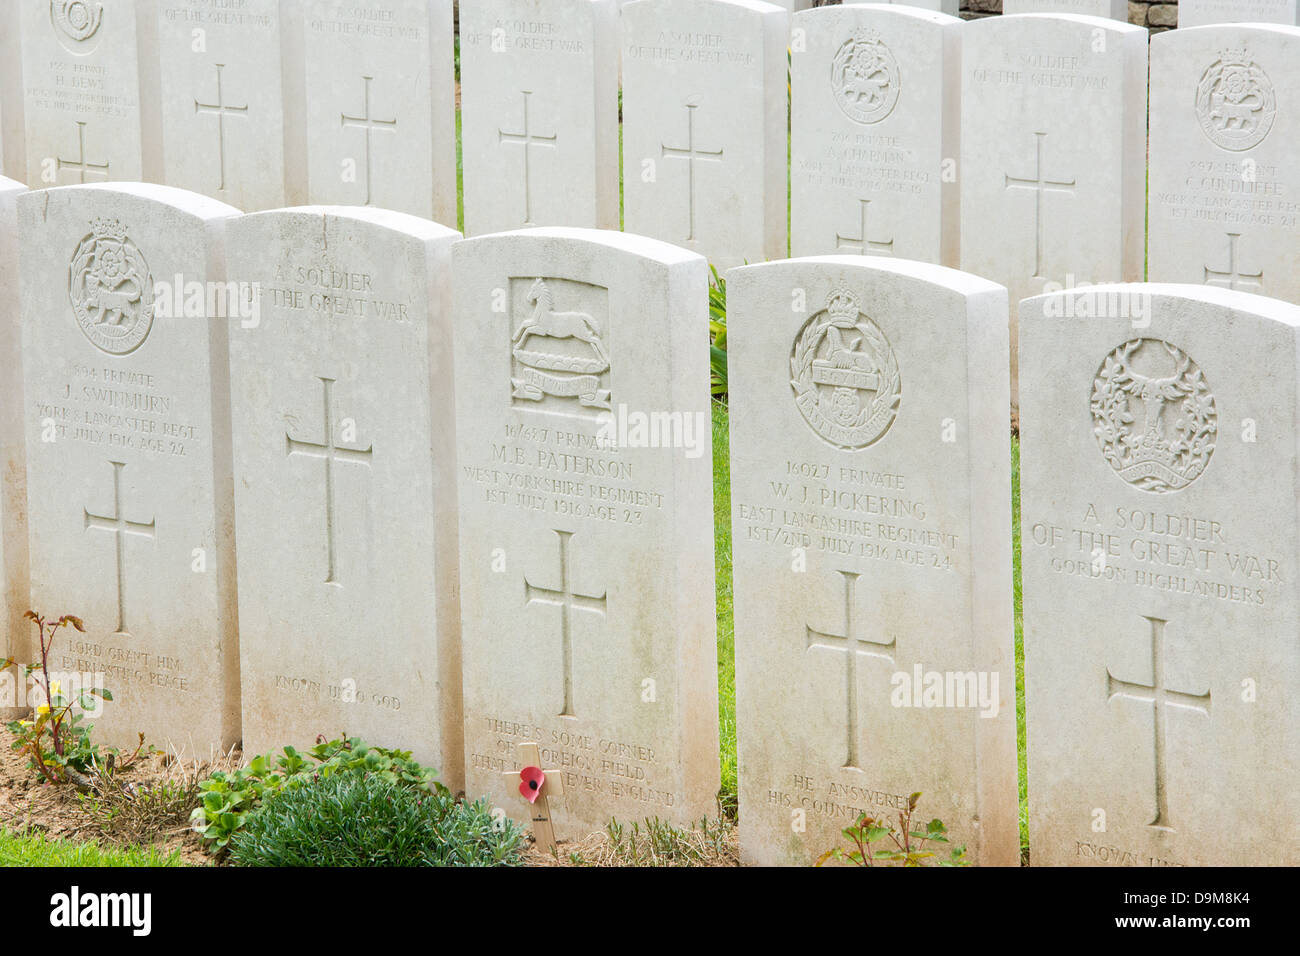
(108, 229)
(843, 308)
(866, 36)
(1235, 55)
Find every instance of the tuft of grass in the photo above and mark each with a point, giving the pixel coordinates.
(139, 813)
(33, 849)
(651, 842)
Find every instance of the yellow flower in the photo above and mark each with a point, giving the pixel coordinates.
(55, 687)
(43, 709)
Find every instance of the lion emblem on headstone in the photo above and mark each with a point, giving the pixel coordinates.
(111, 289)
(864, 78)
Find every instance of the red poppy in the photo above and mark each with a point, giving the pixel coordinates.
(531, 780)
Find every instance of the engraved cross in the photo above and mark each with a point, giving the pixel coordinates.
(568, 601)
(330, 453)
(368, 123)
(528, 139)
(1233, 278)
(221, 110)
(81, 164)
(119, 527)
(691, 154)
(861, 244)
(1160, 698)
(1040, 185)
(851, 643)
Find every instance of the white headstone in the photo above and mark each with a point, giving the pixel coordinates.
(345, 497)
(871, 491)
(950, 7)
(704, 126)
(14, 593)
(1114, 9)
(539, 114)
(1225, 132)
(128, 453)
(867, 172)
(587, 587)
(81, 91)
(1053, 146)
(1159, 514)
(221, 100)
(1199, 13)
(379, 101)
(13, 155)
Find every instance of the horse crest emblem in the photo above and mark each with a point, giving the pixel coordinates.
(76, 21)
(1153, 415)
(111, 289)
(864, 78)
(845, 375)
(560, 354)
(1235, 102)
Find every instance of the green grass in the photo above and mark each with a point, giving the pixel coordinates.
(33, 850)
(726, 618)
(1020, 650)
(726, 609)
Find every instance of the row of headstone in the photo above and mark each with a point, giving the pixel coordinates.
(244, 449)
(325, 469)
(354, 103)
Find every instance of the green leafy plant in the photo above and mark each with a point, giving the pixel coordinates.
(905, 846)
(718, 335)
(356, 818)
(227, 798)
(57, 740)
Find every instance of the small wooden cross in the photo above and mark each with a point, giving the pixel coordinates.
(544, 783)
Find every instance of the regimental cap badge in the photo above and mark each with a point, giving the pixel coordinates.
(1236, 102)
(845, 374)
(110, 288)
(77, 20)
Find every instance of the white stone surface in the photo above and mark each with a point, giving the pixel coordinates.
(1199, 13)
(871, 529)
(345, 501)
(379, 103)
(1159, 515)
(14, 593)
(128, 454)
(1225, 131)
(587, 586)
(874, 116)
(704, 126)
(950, 7)
(81, 91)
(1053, 146)
(221, 101)
(1113, 9)
(13, 155)
(539, 95)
